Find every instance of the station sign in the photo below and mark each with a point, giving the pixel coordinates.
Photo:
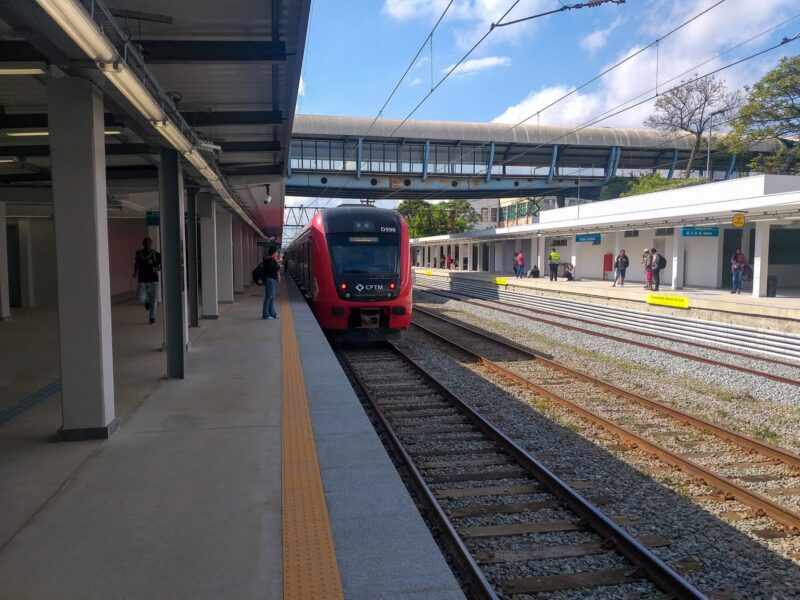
(700, 231)
(594, 238)
(738, 220)
(501, 280)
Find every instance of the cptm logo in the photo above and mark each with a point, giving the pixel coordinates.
(370, 287)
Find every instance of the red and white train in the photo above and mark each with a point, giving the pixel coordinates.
(353, 264)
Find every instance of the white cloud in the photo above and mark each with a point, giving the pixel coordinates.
(473, 65)
(472, 17)
(680, 53)
(598, 39)
(301, 89)
(415, 82)
(576, 109)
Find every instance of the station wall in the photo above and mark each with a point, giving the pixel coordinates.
(124, 239)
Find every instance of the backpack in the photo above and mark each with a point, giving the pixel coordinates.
(661, 262)
(258, 274)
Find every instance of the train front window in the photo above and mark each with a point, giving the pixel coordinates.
(364, 254)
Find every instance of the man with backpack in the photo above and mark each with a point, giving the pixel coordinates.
(267, 273)
(659, 262)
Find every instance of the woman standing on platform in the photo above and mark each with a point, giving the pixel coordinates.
(738, 267)
(647, 261)
(620, 266)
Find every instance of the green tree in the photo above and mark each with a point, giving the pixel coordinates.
(616, 187)
(690, 108)
(424, 219)
(656, 183)
(772, 114)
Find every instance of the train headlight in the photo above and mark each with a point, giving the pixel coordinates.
(392, 285)
(343, 286)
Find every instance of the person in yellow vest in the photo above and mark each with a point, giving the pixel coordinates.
(554, 258)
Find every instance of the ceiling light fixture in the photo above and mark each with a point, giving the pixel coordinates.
(20, 71)
(81, 28)
(7, 161)
(42, 133)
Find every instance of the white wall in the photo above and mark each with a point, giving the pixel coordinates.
(589, 258)
(703, 261)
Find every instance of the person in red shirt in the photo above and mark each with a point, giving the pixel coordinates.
(449, 262)
(519, 264)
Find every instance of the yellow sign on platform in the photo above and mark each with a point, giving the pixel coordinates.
(738, 220)
(671, 300)
(501, 280)
(427, 272)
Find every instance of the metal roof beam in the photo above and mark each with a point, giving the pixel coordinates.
(222, 118)
(173, 51)
(133, 149)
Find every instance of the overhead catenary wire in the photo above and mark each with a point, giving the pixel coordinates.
(428, 39)
(617, 110)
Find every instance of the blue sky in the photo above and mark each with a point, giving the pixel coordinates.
(358, 49)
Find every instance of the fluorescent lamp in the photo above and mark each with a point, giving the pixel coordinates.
(41, 133)
(174, 136)
(130, 86)
(72, 17)
(7, 161)
(20, 71)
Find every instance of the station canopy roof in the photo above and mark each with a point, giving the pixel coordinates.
(231, 68)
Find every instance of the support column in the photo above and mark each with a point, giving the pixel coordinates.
(678, 253)
(173, 269)
(192, 275)
(540, 255)
(5, 298)
(761, 259)
(208, 261)
(77, 155)
(238, 269)
(224, 256)
(26, 269)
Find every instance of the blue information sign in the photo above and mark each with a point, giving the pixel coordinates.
(700, 231)
(594, 238)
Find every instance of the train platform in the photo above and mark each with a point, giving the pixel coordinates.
(257, 476)
(780, 313)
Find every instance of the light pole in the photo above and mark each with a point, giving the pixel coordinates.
(709, 174)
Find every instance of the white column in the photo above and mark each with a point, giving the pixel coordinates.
(209, 301)
(5, 305)
(540, 255)
(573, 252)
(27, 272)
(678, 252)
(77, 155)
(238, 259)
(761, 259)
(224, 256)
(469, 256)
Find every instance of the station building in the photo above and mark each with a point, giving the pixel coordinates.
(692, 227)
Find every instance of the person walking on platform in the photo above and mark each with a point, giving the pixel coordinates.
(657, 264)
(554, 259)
(146, 266)
(267, 273)
(519, 264)
(621, 264)
(738, 267)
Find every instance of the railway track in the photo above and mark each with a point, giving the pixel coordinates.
(760, 476)
(471, 477)
(779, 348)
(536, 316)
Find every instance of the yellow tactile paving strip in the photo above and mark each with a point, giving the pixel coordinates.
(310, 571)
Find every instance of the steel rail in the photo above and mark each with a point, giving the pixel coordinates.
(477, 582)
(616, 338)
(661, 574)
(754, 339)
(785, 517)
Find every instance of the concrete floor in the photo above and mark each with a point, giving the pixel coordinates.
(181, 502)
